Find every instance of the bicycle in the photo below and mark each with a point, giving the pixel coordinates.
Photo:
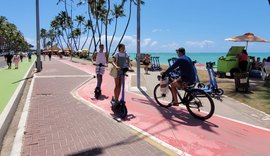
(198, 103)
(99, 77)
(120, 107)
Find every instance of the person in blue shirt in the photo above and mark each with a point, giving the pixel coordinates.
(187, 74)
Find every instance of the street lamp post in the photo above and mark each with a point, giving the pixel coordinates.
(38, 62)
(138, 43)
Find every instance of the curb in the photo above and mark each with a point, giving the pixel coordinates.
(10, 109)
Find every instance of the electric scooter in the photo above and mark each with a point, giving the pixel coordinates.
(120, 107)
(98, 87)
(212, 88)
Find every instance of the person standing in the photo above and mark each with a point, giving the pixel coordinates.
(243, 60)
(146, 63)
(16, 61)
(101, 57)
(120, 60)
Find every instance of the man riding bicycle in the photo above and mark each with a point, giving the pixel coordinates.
(187, 74)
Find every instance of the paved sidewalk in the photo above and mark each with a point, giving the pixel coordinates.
(218, 135)
(59, 124)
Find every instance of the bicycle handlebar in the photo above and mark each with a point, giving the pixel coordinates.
(210, 64)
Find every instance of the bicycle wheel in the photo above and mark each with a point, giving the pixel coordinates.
(163, 99)
(122, 110)
(199, 104)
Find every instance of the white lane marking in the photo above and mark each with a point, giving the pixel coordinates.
(63, 76)
(18, 141)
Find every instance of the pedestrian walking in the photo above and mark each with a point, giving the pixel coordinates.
(50, 55)
(21, 56)
(29, 56)
(44, 56)
(9, 57)
(146, 63)
(16, 61)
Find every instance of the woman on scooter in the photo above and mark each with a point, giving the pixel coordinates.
(120, 60)
(101, 57)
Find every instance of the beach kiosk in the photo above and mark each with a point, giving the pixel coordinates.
(230, 62)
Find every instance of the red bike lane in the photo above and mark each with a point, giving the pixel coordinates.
(175, 126)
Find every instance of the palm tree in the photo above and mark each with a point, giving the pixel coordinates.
(117, 12)
(43, 35)
(51, 36)
(88, 26)
(80, 19)
(128, 21)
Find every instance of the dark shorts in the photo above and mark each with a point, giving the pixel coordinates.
(183, 83)
(146, 63)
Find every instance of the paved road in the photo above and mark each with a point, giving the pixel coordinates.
(176, 127)
(59, 124)
(2, 62)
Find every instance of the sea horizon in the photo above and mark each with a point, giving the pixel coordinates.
(200, 57)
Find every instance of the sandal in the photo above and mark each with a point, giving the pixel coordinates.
(174, 104)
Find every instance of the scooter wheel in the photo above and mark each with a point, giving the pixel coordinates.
(122, 111)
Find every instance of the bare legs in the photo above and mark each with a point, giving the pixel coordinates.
(117, 88)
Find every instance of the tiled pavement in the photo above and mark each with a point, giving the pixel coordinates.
(58, 124)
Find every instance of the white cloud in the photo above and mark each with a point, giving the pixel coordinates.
(154, 43)
(31, 41)
(200, 44)
(170, 46)
(148, 42)
(156, 30)
(129, 41)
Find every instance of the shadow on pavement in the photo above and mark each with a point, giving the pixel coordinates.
(23, 79)
(100, 150)
(175, 116)
(92, 152)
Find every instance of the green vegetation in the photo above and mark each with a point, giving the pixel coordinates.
(10, 79)
(73, 32)
(11, 39)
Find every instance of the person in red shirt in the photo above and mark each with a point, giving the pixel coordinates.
(243, 60)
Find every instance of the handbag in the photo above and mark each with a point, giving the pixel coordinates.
(113, 72)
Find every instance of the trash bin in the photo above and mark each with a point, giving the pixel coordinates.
(241, 81)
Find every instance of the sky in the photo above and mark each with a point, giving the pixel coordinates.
(197, 25)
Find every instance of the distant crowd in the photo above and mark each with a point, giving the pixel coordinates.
(16, 58)
(255, 66)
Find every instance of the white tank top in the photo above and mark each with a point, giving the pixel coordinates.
(101, 58)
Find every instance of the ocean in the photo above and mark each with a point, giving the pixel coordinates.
(202, 57)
